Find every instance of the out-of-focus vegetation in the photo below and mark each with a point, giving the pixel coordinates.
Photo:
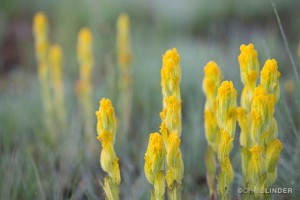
(33, 166)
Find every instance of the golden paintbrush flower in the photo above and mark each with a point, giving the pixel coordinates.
(225, 145)
(269, 77)
(245, 126)
(211, 83)
(225, 178)
(106, 128)
(226, 107)
(256, 164)
(249, 67)
(212, 130)
(171, 121)
(173, 115)
(249, 64)
(226, 114)
(170, 75)
(272, 154)
(262, 110)
(106, 118)
(154, 165)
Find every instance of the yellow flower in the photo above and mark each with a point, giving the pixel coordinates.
(269, 78)
(106, 118)
(212, 130)
(246, 97)
(262, 110)
(173, 144)
(107, 157)
(225, 177)
(170, 74)
(226, 107)
(154, 156)
(249, 64)
(173, 115)
(164, 131)
(225, 145)
(211, 83)
(174, 159)
(242, 117)
(115, 172)
(106, 127)
(173, 55)
(271, 134)
(159, 185)
(256, 164)
(272, 154)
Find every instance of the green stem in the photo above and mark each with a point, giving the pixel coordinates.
(174, 192)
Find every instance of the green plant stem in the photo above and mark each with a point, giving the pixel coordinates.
(174, 192)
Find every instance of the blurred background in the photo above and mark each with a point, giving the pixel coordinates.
(33, 168)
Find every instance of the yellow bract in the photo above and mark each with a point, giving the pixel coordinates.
(262, 110)
(170, 75)
(249, 64)
(226, 107)
(106, 117)
(212, 130)
(173, 115)
(269, 78)
(211, 83)
(272, 154)
(154, 156)
(256, 164)
(225, 145)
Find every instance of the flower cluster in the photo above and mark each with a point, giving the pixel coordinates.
(170, 128)
(210, 87)
(260, 147)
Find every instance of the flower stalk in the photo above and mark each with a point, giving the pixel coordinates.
(55, 64)
(106, 128)
(226, 108)
(210, 86)
(171, 122)
(124, 59)
(154, 165)
(40, 32)
(84, 86)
